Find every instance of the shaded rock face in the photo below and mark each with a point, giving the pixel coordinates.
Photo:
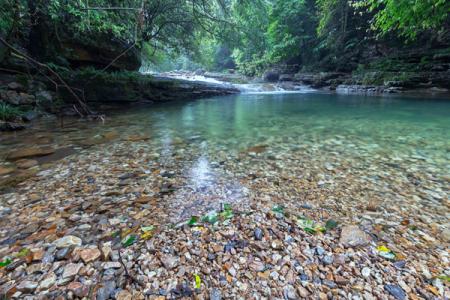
(100, 55)
(271, 76)
(131, 87)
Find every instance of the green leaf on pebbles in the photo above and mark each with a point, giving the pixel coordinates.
(24, 252)
(193, 221)
(279, 209)
(385, 252)
(444, 277)
(227, 212)
(5, 263)
(212, 217)
(129, 240)
(148, 228)
(309, 226)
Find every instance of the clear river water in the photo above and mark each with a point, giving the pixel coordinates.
(235, 147)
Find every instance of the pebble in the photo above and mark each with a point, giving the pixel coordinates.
(258, 234)
(352, 236)
(328, 259)
(106, 291)
(365, 272)
(89, 255)
(48, 282)
(215, 294)
(27, 286)
(395, 291)
(70, 270)
(67, 241)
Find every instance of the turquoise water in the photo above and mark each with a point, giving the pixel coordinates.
(337, 149)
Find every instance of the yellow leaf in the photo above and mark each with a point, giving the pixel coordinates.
(383, 249)
(198, 281)
(147, 235)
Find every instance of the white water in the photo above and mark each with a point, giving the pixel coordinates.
(245, 88)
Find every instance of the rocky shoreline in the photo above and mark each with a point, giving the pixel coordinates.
(23, 102)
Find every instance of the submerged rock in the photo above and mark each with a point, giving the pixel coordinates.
(352, 236)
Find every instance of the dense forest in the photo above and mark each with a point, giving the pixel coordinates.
(324, 43)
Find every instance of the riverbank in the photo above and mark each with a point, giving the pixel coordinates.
(24, 99)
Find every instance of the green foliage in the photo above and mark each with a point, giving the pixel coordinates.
(408, 18)
(9, 112)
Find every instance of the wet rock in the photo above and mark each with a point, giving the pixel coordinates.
(30, 152)
(215, 294)
(365, 272)
(258, 234)
(30, 116)
(352, 236)
(27, 286)
(328, 259)
(396, 291)
(78, 289)
(6, 170)
(89, 255)
(26, 163)
(67, 241)
(106, 291)
(111, 265)
(15, 86)
(289, 293)
(63, 253)
(48, 282)
(170, 262)
(124, 295)
(71, 270)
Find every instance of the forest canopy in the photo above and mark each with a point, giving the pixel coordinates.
(225, 34)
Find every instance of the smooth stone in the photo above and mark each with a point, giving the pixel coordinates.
(6, 170)
(215, 294)
(111, 265)
(396, 291)
(352, 236)
(124, 295)
(258, 234)
(289, 293)
(107, 291)
(78, 289)
(88, 255)
(30, 152)
(62, 253)
(169, 262)
(67, 241)
(27, 286)
(366, 272)
(71, 270)
(328, 259)
(26, 163)
(48, 282)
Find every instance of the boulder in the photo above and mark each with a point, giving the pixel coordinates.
(271, 76)
(30, 152)
(199, 72)
(16, 86)
(286, 77)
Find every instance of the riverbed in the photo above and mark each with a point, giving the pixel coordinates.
(381, 163)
